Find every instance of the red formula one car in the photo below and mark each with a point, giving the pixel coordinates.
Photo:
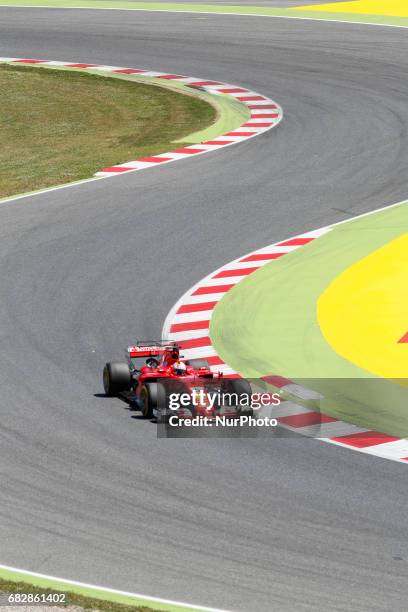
(155, 375)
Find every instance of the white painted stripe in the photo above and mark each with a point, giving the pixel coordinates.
(302, 392)
(242, 265)
(265, 411)
(273, 248)
(199, 353)
(107, 590)
(227, 139)
(135, 165)
(226, 280)
(187, 335)
(201, 299)
(55, 63)
(225, 369)
(259, 262)
(212, 282)
(150, 73)
(248, 130)
(244, 94)
(260, 103)
(185, 79)
(176, 156)
(108, 68)
(260, 120)
(206, 147)
(257, 111)
(332, 430)
(289, 409)
(397, 449)
(106, 174)
(317, 233)
(189, 317)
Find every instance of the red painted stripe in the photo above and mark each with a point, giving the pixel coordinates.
(365, 438)
(172, 76)
(129, 71)
(259, 125)
(154, 160)
(305, 419)
(237, 133)
(29, 61)
(264, 115)
(190, 326)
(277, 381)
(258, 106)
(196, 307)
(203, 83)
(404, 339)
(213, 360)
(295, 242)
(195, 342)
(213, 289)
(116, 169)
(250, 98)
(262, 256)
(188, 151)
(81, 65)
(218, 142)
(240, 272)
(232, 90)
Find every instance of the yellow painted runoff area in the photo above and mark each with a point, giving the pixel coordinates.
(391, 8)
(363, 313)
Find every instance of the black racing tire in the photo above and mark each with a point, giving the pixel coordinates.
(198, 363)
(116, 378)
(153, 396)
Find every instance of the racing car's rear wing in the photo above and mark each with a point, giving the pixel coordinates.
(151, 348)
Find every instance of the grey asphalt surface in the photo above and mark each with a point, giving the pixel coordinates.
(87, 491)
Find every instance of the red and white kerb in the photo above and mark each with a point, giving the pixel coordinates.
(189, 322)
(264, 113)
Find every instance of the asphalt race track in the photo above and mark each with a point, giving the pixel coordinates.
(88, 492)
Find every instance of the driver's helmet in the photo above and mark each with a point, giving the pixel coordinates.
(179, 368)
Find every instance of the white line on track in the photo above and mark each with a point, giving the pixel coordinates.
(107, 590)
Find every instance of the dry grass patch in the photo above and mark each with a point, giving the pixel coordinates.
(58, 126)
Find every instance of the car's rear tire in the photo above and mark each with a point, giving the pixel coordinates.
(198, 363)
(153, 396)
(116, 378)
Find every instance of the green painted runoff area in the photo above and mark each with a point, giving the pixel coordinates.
(267, 325)
(211, 8)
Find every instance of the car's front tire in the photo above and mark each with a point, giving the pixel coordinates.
(242, 388)
(116, 378)
(153, 396)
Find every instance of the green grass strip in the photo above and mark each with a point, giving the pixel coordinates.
(87, 597)
(59, 125)
(46, 142)
(215, 9)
